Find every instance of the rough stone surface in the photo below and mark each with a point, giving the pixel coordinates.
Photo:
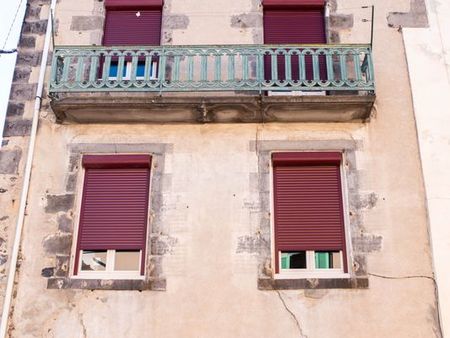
(9, 161)
(3, 259)
(313, 283)
(33, 12)
(58, 243)
(62, 265)
(416, 18)
(162, 245)
(86, 23)
(175, 21)
(47, 272)
(35, 27)
(22, 74)
(100, 108)
(65, 224)
(15, 109)
(251, 244)
(155, 266)
(367, 243)
(341, 21)
(247, 20)
(25, 57)
(367, 202)
(360, 265)
(23, 91)
(57, 203)
(71, 182)
(17, 128)
(105, 284)
(27, 41)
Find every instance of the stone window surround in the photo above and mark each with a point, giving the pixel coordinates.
(153, 279)
(357, 260)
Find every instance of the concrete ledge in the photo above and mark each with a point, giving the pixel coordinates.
(313, 283)
(106, 284)
(148, 108)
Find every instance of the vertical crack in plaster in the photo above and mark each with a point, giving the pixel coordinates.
(80, 316)
(297, 322)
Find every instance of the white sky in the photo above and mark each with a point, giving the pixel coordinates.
(7, 61)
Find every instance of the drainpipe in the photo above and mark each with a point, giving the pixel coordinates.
(27, 176)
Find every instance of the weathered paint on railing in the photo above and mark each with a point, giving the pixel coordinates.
(213, 68)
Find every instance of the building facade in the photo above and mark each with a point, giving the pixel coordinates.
(217, 169)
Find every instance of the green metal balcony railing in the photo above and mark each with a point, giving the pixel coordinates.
(213, 68)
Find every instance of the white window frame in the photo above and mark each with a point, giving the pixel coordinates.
(109, 272)
(127, 77)
(311, 273)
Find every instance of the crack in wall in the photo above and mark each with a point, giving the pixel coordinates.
(294, 317)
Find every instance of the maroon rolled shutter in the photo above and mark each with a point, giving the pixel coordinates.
(289, 3)
(308, 202)
(133, 3)
(114, 207)
(125, 27)
(298, 25)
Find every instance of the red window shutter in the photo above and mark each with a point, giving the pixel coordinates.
(289, 3)
(114, 207)
(299, 25)
(308, 203)
(133, 3)
(124, 27)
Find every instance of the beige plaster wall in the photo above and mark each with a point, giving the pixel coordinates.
(209, 202)
(428, 51)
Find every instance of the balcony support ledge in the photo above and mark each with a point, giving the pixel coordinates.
(145, 108)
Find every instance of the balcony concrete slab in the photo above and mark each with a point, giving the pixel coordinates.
(213, 108)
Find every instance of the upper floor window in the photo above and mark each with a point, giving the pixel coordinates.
(294, 22)
(132, 23)
(309, 230)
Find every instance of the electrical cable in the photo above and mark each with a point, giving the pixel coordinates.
(10, 51)
(12, 24)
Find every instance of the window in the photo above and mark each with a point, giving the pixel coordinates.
(309, 232)
(294, 22)
(133, 23)
(112, 231)
(127, 70)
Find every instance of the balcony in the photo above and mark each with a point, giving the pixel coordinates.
(232, 83)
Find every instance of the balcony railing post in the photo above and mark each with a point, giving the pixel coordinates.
(162, 70)
(94, 69)
(260, 69)
(55, 67)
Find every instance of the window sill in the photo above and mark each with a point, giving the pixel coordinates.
(312, 283)
(106, 284)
